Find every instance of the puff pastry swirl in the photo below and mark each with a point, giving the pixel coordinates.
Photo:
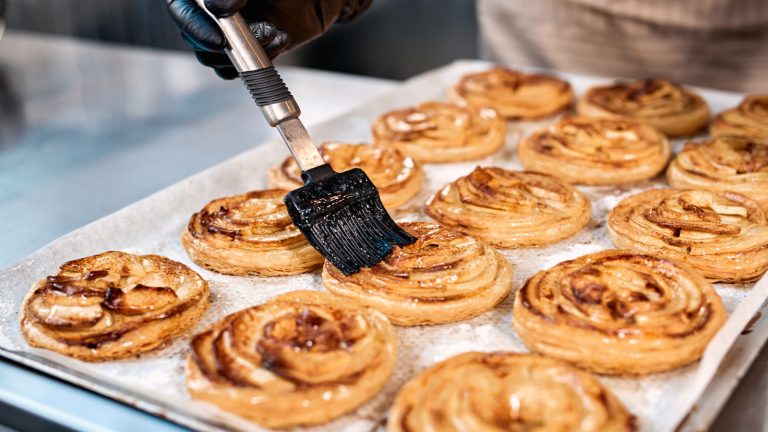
(723, 164)
(514, 95)
(506, 391)
(397, 177)
(619, 312)
(723, 235)
(663, 104)
(441, 132)
(511, 208)
(749, 119)
(444, 277)
(249, 234)
(596, 151)
(113, 305)
(302, 358)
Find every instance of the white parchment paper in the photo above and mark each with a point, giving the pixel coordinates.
(155, 381)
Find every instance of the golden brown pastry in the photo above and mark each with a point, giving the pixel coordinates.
(504, 391)
(723, 235)
(397, 177)
(444, 277)
(113, 305)
(596, 151)
(619, 312)
(441, 132)
(514, 95)
(663, 104)
(511, 208)
(302, 358)
(749, 119)
(249, 234)
(729, 164)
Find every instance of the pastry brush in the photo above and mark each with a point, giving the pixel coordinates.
(341, 214)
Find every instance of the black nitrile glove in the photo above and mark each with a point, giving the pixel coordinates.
(279, 25)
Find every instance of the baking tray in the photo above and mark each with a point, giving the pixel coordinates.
(686, 399)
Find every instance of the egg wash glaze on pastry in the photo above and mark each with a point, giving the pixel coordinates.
(113, 305)
(445, 276)
(748, 120)
(596, 151)
(726, 163)
(441, 132)
(663, 104)
(250, 233)
(514, 95)
(619, 312)
(506, 391)
(302, 358)
(396, 176)
(723, 235)
(511, 208)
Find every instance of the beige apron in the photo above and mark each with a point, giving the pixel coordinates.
(713, 43)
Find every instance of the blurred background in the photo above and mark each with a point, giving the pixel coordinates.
(373, 44)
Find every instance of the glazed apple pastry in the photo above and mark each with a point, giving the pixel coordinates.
(441, 132)
(302, 358)
(619, 312)
(507, 391)
(397, 177)
(662, 104)
(113, 305)
(596, 151)
(514, 95)
(749, 119)
(511, 209)
(723, 235)
(249, 234)
(728, 164)
(445, 276)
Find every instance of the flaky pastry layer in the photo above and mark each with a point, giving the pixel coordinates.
(498, 391)
(619, 312)
(113, 305)
(302, 358)
(445, 276)
(511, 208)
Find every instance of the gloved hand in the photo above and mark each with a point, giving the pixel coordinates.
(279, 25)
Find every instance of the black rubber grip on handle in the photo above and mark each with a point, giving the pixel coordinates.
(266, 86)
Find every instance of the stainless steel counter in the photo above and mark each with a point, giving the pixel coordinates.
(86, 129)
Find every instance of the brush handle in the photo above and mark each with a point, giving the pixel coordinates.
(265, 85)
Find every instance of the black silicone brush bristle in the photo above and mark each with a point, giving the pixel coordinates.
(342, 216)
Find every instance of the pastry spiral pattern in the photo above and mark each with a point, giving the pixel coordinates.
(445, 276)
(723, 235)
(113, 305)
(397, 177)
(504, 391)
(249, 234)
(749, 119)
(595, 151)
(664, 105)
(619, 312)
(728, 164)
(441, 132)
(511, 209)
(514, 95)
(302, 358)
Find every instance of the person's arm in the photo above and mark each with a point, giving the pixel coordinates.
(279, 25)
